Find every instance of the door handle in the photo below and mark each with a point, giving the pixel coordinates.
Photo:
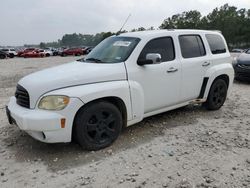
(205, 64)
(172, 69)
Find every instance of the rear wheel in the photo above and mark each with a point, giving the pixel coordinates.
(97, 125)
(217, 95)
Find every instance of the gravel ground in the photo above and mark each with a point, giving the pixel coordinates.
(185, 148)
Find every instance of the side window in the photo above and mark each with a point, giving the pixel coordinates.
(191, 46)
(163, 46)
(216, 44)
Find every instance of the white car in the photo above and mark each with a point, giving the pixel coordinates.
(48, 52)
(11, 51)
(123, 80)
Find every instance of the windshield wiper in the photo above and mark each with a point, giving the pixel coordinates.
(94, 59)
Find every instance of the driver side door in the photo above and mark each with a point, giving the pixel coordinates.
(160, 81)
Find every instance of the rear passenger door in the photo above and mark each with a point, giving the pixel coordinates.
(194, 65)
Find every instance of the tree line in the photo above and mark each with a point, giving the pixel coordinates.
(234, 24)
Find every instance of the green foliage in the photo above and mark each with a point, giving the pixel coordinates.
(74, 40)
(232, 22)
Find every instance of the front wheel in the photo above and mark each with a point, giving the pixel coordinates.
(97, 125)
(11, 55)
(217, 95)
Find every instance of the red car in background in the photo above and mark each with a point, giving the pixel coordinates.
(72, 51)
(21, 52)
(34, 53)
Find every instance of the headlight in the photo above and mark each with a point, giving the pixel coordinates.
(53, 102)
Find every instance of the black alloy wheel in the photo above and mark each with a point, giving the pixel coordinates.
(217, 95)
(97, 125)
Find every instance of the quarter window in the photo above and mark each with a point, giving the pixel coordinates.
(216, 44)
(163, 46)
(191, 46)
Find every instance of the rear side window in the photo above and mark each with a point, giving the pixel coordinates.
(163, 46)
(191, 46)
(216, 43)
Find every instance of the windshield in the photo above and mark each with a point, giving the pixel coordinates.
(248, 51)
(112, 50)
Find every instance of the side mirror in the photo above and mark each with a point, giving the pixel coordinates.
(151, 58)
(155, 57)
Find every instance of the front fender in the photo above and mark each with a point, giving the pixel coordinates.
(91, 92)
(215, 71)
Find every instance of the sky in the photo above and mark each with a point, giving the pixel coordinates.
(35, 21)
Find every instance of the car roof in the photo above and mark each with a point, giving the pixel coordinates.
(152, 33)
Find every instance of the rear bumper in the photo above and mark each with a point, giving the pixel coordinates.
(44, 125)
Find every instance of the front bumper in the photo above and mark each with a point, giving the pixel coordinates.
(242, 73)
(44, 125)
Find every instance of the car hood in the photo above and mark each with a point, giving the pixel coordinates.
(244, 58)
(68, 75)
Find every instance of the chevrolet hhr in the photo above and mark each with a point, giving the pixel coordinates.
(124, 79)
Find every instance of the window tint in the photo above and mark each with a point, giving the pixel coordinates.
(216, 43)
(163, 46)
(191, 46)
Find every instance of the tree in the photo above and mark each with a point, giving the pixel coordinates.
(42, 45)
(232, 22)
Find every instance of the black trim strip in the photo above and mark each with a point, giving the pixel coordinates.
(203, 88)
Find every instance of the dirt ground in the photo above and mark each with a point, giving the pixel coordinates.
(185, 148)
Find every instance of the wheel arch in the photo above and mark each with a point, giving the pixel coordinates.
(223, 71)
(116, 101)
(211, 80)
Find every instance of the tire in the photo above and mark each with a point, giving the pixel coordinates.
(97, 125)
(11, 55)
(63, 55)
(217, 95)
(2, 56)
(47, 55)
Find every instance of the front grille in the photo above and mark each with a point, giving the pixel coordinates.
(22, 97)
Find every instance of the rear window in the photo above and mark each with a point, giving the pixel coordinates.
(191, 46)
(216, 43)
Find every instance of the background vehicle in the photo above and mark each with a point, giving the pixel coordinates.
(72, 51)
(10, 51)
(21, 52)
(236, 50)
(34, 53)
(48, 52)
(125, 79)
(3, 55)
(88, 49)
(55, 51)
(242, 66)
